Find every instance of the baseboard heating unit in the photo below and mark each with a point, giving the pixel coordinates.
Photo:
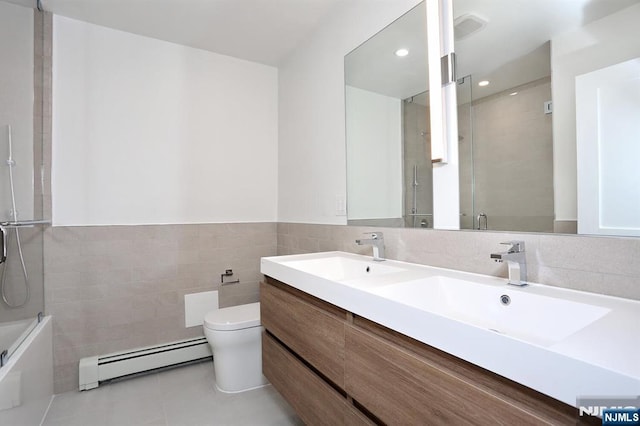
(96, 369)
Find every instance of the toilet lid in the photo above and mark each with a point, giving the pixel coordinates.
(233, 318)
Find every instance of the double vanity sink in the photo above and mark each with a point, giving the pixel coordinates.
(563, 343)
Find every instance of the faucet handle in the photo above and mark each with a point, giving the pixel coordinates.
(517, 246)
(375, 235)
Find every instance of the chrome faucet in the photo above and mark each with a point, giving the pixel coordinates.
(377, 241)
(516, 262)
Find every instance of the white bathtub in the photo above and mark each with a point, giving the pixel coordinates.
(26, 381)
(15, 332)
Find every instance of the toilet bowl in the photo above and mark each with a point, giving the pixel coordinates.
(234, 335)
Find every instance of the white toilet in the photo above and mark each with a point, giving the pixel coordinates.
(234, 335)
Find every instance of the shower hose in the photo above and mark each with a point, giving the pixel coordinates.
(14, 216)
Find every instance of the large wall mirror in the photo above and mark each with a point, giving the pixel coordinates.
(524, 156)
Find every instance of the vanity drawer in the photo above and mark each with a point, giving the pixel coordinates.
(315, 401)
(313, 331)
(400, 387)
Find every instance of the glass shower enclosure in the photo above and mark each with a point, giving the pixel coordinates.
(22, 215)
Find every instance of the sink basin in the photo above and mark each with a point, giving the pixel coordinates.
(340, 268)
(560, 342)
(541, 320)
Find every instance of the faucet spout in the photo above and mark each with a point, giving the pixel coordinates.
(516, 262)
(377, 242)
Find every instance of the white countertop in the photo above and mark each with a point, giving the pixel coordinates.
(601, 359)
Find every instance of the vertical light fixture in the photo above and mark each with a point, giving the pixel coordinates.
(444, 114)
(448, 82)
(436, 107)
(442, 88)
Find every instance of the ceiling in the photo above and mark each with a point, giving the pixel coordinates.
(263, 31)
(373, 65)
(267, 31)
(511, 49)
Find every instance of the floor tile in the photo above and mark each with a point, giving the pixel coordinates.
(183, 396)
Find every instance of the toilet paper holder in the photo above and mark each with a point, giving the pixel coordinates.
(228, 273)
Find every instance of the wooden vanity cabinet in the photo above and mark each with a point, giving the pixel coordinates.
(337, 368)
(315, 401)
(303, 354)
(311, 328)
(400, 387)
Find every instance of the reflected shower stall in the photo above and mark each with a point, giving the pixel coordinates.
(417, 170)
(505, 159)
(417, 165)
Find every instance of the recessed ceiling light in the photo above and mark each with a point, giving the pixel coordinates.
(483, 83)
(402, 52)
(513, 93)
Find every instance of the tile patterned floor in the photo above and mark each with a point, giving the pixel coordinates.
(183, 396)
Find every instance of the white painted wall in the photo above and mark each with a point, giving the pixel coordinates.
(146, 131)
(16, 107)
(311, 150)
(605, 42)
(374, 176)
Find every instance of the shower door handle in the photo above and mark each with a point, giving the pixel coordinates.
(3, 235)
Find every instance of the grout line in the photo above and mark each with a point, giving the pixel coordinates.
(46, 412)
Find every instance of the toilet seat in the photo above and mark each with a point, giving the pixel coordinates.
(234, 318)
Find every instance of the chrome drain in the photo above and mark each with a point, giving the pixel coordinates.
(505, 300)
